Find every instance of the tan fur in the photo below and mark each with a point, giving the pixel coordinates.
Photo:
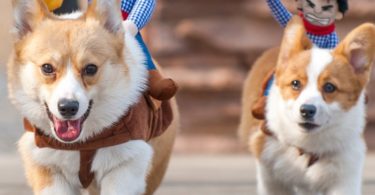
(349, 80)
(37, 176)
(162, 151)
(260, 69)
(348, 84)
(257, 142)
(252, 91)
(296, 71)
(294, 41)
(248, 131)
(97, 50)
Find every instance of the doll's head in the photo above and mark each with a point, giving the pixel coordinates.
(322, 12)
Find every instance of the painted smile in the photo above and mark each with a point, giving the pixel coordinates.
(314, 19)
(68, 130)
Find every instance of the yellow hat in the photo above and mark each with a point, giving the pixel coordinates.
(53, 4)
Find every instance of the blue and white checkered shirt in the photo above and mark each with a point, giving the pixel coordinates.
(282, 15)
(140, 11)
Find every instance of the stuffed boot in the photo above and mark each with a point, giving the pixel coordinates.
(161, 88)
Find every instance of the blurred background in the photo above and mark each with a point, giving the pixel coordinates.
(207, 46)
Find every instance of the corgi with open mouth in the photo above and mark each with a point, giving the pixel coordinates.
(79, 81)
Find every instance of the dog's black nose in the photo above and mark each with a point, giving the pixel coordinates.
(308, 111)
(68, 108)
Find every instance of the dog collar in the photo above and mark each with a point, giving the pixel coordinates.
(142, 122)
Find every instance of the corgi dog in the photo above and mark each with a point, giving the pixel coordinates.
(72, 76)
(311, 139)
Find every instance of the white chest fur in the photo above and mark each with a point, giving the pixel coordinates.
(284, 165)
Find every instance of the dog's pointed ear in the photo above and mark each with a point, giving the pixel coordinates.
(27, 14)
(358, 48)
(108, 13)
(294, 40)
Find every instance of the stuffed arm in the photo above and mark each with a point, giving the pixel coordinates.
(140, 13)
(279, 12)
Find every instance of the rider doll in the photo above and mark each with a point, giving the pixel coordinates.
(136, 14)
(319, 18)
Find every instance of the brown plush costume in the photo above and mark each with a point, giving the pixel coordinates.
(142, 122)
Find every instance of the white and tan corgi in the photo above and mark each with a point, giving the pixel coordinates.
(315, 114)
(71, 77)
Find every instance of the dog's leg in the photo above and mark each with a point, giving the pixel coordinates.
(129, 178)
(59, 186)
(349, 178)
(352, 186)
(350, 189)
(43, 182)
(268, 185)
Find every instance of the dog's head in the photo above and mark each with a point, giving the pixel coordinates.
(73, 75)
(317, 89)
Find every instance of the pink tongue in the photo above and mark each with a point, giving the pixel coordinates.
(67, 130)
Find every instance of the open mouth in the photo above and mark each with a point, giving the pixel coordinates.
(308, 126)
(68, 130)
(314, 19)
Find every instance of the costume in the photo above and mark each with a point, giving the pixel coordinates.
(136, 14)
(142, 122)
(323, 37)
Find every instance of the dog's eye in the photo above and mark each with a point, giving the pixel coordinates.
(296, 85)
(329, 88)
(90, 70)
(47, 69)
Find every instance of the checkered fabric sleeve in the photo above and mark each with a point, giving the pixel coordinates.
(140, 11)
(329, 41)
(279, 12)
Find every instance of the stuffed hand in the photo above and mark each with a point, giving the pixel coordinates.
(53, 4)
(130, 27)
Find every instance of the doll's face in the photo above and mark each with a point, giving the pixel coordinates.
(321, 12)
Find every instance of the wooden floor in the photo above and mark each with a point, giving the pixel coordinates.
(187, 175)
